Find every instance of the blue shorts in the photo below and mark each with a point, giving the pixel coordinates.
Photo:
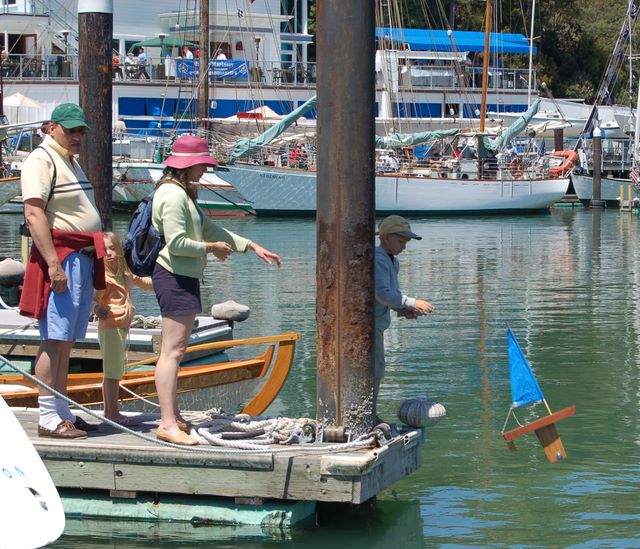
(68, 312)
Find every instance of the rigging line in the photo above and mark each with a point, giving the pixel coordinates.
(239, 206)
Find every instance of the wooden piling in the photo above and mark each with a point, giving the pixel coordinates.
(345, 213)
(596, 200)
(95, 28)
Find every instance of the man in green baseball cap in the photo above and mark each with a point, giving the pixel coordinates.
(65, 225)
(69, 115)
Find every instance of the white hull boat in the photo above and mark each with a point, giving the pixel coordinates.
(20, 339)
(9, 188)
(133, 181)
(291, 192)
(610, 189)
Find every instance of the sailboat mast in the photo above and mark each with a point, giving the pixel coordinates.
(203, 82)
(530, 82)
(636, 133)
(485, 65)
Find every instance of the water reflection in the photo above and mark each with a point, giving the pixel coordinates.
(567, 283)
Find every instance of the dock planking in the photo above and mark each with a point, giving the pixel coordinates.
(128, 466)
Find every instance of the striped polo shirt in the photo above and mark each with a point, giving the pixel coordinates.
(72, 205)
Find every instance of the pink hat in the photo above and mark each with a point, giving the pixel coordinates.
(189, 150)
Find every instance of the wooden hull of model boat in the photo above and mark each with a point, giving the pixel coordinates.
(86, 389)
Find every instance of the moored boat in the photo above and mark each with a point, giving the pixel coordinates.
(20, 339)
(613, 190)
(17, 390)
(133, 181)
(292, 192)
(9, 189)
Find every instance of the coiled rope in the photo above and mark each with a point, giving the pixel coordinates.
(209, 432)
(141, 321)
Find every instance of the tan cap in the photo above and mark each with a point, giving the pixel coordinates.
(395, 224)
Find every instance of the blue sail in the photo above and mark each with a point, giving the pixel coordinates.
(524, 386)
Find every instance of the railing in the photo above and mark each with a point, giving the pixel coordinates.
(242, 72)
(424, 76)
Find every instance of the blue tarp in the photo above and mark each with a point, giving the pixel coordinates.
(524, 386)
(439, 40)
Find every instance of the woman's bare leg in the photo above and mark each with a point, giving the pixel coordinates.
(175, 337)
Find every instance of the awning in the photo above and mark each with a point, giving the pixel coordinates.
(440, 40)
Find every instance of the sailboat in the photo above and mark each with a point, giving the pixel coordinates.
(453, 186)
(525, 390)
(619, 182)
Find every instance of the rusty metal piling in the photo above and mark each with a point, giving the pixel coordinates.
(95, 29)
(345, 213)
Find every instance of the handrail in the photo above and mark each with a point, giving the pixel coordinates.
(225, 344)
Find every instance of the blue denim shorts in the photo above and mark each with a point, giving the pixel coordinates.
(68, 312)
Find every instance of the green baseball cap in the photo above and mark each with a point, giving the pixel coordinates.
(69, 115)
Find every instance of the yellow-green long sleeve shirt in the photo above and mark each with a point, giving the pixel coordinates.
(186, 230)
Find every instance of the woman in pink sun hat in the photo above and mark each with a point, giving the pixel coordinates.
(190, 235)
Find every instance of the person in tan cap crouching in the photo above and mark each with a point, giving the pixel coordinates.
(395, 232)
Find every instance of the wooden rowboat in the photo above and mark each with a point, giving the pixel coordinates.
(86, 389)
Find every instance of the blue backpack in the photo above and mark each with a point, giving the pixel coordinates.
(142, 243)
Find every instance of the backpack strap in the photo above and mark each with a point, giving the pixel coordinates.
(55, 175)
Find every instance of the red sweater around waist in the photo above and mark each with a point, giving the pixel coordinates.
(37, 284)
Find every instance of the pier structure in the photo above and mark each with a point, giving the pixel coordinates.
(134, 476)
(114, 474)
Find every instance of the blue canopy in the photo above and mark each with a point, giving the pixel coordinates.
(524, 385)
(439, 40)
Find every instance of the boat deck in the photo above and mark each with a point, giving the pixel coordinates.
(130, 467)
(20, 339)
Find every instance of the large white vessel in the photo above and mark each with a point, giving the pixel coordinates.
(291, 192)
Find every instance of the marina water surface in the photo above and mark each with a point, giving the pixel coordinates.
(567, 283)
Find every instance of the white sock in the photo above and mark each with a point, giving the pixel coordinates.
(49, 418)
(62, 407)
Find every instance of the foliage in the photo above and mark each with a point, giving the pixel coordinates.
(576, 37)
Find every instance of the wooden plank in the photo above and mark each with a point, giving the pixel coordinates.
(115, 461)
(81, 474)
(550, 440)
(401, 458)
(538, 424)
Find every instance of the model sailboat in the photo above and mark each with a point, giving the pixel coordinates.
(525, 390)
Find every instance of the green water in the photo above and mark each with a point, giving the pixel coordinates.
(567, 283)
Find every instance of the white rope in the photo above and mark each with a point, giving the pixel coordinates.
(136, 395)
(230, 447)
(140, 321)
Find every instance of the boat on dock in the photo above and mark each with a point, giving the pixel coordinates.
(194, 375)
(20, 339)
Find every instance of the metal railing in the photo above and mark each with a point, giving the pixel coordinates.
(65, 67)
(418, 76)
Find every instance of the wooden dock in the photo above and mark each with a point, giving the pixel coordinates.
(121, 466)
